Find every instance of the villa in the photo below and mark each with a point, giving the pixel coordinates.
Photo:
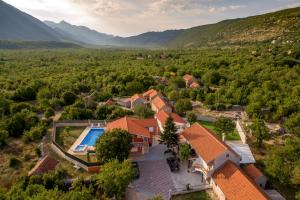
(143, 131)
(151, 94)
(162, 117)
(190, 81)
(218, 164)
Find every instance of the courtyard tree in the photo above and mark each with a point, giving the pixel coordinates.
(169, 137)
(185, 151)
(115, 177)
(114, 144)
(259, 130)
(225, 125)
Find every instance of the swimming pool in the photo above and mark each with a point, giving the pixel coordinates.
(91, 137)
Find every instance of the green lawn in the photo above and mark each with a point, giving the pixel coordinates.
(211, 126)
(66, 136)
(202, 195)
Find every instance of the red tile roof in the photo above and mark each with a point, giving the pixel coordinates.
(44, 165)
(252, 171)
(188, 77)
(159, 102)
(110, 102)
(206, 144)
(162, 116)
(194, 85)
(149, 92)
(236, 185)
(132, 125)
(135, 97)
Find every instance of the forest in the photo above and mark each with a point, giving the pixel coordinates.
(265, 78)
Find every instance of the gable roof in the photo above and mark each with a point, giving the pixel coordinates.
(132, 125)
(206, 144)
(194, 85)
(253, 172)
(236, 185)
(135, 97)
(162, 116)
(147, 93)
(43, 166)
(188, 77)
(159, 102)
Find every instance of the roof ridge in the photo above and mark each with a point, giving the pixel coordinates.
(212, 135)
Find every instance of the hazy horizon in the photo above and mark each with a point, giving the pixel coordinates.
(133, 17)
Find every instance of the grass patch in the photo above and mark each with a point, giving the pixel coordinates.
(202, 195)
(66, 136)
(211, 126)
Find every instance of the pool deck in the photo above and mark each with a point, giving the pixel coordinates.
(78, 141)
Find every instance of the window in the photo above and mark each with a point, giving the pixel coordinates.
(151, 129)
(227, 155)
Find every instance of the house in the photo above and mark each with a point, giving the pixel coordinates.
(137, 100)
(110, 102)
(257, 176)
(44, 165)
(162, 117)
(230, 182)
(143, 131)
(194, 85)
(124, 102)
(158, 103)
(190, 81)
(219, 164)
(151, 94)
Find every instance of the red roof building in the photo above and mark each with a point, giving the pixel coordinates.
(162, 117)
(235, 184)
(158, 103)
(43, 166)
(255, 174)
(151, 94)
(137, 100)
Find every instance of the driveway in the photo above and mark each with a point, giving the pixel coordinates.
(156, 177)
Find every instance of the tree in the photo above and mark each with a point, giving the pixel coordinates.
(114, 144)
(282, 163)
(169, 137)
(182, 106)
(115, 177)
(292, 124)
(225, 125)
(185, 151)
(49, 112)
(191, 117)
(68, 98)
(259, 130)
(143, 111)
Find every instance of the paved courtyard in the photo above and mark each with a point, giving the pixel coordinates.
(156, 177)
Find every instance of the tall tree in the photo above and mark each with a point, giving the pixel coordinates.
(115, 177)
(225, 125)
(260, 131)
(114, 144)
(169, 136)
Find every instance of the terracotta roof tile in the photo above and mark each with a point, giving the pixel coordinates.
(150, 92)
(132, 125)
(188, 77)
(206, 144)
(236, 185)
(44, 165)
(162, 116)
(194, 85)
(159, 102)
(253, 172)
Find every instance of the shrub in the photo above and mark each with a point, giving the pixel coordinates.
(13, 162)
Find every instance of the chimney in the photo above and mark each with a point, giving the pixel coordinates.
(223, 137)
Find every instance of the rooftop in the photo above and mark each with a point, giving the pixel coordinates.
(188, 77)
(243, 150)
(236, 185)
(133, 125)
(253, 172)
(43, 166)
(159, 102)
(206, 144)
(135, 97)
(162, 116)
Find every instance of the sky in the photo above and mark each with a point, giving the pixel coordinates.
(132, 17)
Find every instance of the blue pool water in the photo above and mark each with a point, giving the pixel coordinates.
(92, 136)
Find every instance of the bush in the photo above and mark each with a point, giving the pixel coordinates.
(49, 112)
(68, 98)
(191, 117)
(3, 137)
(182, 106)
(13, 162)
(35, 133)
(143, 112)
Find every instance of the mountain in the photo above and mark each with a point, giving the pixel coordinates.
(17, 25)
(282, 25)
(80, 34)
(36, 45)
